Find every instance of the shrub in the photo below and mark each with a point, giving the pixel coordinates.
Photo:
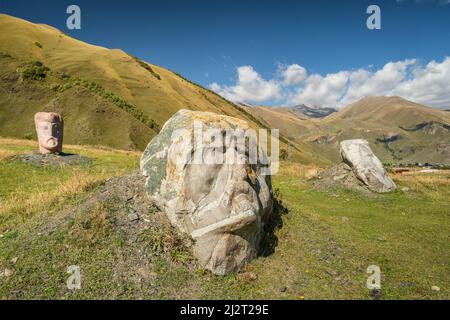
(109, 96)
(28, 136)
(34, 71)
(284, 154)
(147, 67)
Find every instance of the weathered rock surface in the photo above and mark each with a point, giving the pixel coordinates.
(367, 167)
(223, 207)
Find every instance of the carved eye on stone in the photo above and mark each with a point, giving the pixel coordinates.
(43, 126)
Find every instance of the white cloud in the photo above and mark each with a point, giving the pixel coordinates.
(292, 74)
(250, 87)
(364, 83)
(428, 84)
(324, 91)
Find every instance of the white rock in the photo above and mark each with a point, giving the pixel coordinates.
(435, 288)
(7, 273)
(367, 167)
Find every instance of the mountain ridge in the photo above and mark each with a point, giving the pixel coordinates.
(380, 120)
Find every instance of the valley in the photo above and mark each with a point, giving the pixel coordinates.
(113, 99)
(400, 131)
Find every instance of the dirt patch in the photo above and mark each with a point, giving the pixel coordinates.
(338, 177)
(52, 160)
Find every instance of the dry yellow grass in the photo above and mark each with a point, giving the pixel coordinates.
(5, 142)
(4, 154)
(298, 170)
(17, 142)
(419, 181)
(28, 191)
(22, 204)
(416, 181)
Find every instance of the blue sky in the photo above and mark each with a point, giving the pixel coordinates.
(248, 45)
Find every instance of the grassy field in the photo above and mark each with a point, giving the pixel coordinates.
(321, 247)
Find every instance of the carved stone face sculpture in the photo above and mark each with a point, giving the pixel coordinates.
(222, 206)
(49, 128)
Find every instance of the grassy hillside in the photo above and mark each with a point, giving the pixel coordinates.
(89, 117)
(108, 97)
(398, 130)
(89, 86)
(320, 249)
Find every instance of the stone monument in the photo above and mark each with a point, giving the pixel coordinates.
(49, 128)
(223, 207)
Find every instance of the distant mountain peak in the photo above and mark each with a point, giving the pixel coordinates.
(311, 112)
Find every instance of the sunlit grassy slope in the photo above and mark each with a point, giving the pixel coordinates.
(89, 117)
(324, 241)
(159, 93)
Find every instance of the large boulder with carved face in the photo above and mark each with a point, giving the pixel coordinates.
(220, 202)
(366, 166)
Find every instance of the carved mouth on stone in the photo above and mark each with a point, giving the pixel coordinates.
(230, 224)
(51, 142)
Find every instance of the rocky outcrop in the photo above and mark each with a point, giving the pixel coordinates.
(366, 166)
(311, 112)
(389, 137)
(340, 176)
(430, 127)
(222, 206)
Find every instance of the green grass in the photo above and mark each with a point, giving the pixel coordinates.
(328, 242)
(27, 189)
(325, 241)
